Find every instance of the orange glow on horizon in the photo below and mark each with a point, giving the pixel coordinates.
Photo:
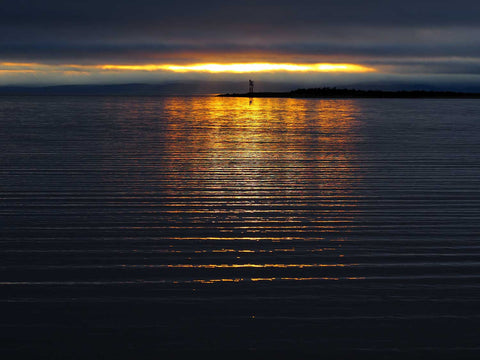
(18, 64)
(244, 67)
(233, 68)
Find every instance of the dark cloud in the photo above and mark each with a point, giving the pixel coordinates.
(214, 20)
(369, 54)
(278, 13)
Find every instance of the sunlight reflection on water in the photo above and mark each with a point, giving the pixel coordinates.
(289, 208)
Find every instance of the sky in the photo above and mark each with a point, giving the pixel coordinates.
(318, 42)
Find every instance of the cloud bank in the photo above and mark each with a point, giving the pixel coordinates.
(396, 38)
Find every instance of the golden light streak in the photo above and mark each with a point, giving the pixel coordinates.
(244, 68)
(17, 71)
(236, 266)
(18, 64)
(213, 281)
(235, 68)
(65, 69)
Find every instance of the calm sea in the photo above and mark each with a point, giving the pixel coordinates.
(133, 226)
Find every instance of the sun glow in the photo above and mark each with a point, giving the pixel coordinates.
(25, 72)
(244, 68)
(233, 68)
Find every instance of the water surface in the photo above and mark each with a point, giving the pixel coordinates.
(135, 225)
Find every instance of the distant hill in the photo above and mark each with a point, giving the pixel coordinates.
(164, 89)
(327, 92)
(121, 89)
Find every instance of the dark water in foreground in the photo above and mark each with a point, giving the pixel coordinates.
(138, 226)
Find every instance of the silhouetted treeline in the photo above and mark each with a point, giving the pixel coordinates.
(327, 92)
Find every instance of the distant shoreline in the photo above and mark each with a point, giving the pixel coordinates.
(207, 89)
(334, 93)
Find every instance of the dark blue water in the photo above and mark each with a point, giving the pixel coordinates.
(133, 226)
